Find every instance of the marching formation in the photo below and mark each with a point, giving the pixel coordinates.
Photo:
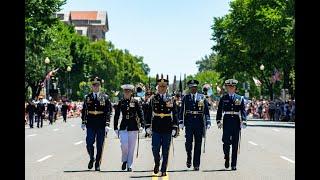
(162, 116)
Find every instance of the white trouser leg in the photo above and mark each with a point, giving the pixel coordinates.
(132, 135)
(123, 135)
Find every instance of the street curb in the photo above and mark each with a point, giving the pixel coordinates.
(280, 126)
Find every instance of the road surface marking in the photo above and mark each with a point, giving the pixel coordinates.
(166, 177)
(55, 129)
(77, 143)
(32, 135)
(44, 158)
(285, 158)
(252, 143)
(155, 176)
(276, 130)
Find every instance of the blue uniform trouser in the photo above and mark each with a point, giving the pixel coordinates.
(230, 136)
(158, 140)
(40, 120)
(195, 132)
(31, 119)
(64, 115)
(92, 135)
(51, 117)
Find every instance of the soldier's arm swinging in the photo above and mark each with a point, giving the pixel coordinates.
(219, 111)
(84, 112)
(116, 116)
(108, 111)
(140, 114)
(182, 109)
(207, 113)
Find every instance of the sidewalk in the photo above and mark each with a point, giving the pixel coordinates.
(261, 122)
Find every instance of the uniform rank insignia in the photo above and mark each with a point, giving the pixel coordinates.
(201, 103)
(169, 104)
(132, 104)
(237, 102)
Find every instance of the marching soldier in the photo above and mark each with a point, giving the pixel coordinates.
(64, 110)
(31, 109)
(95, 117)
(131, 124)
(234, 118)
(194, 115)
(145, 105)
(51, 108)
(40, 111)
(164, 125)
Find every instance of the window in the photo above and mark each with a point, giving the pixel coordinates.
(79, 32)
(95, 21)
(60, 16)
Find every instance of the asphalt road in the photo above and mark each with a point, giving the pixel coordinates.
(58, 151)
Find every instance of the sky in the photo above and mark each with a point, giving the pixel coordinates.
(171, 35)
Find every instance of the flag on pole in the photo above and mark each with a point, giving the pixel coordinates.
(256, 81)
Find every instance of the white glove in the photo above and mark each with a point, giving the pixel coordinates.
(148, 131)
(83, 126)
(107, 129)
(219, 125)
(140, 129)
(173, 132)
(208, 126)
(116, 132)
(244, 125)
(181, 126)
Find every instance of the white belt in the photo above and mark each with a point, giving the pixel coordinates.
(232, 112)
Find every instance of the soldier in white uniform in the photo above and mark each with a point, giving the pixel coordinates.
(132, 122)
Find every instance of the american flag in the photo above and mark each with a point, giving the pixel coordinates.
(48, 76)
(256, 81)
(275, 76)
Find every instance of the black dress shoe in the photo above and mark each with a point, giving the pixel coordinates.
(233, 168)
(188, 164)
(196, 168)
(129, 169)
(124, 165)
(226, 163)
(163, 174)
(156, 169)
(90, 165)
(97, 166)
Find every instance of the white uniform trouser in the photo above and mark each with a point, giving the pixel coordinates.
(128, 142)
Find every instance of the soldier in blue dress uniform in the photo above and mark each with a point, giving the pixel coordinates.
(233, 107)
(194, 115)
(162, 123)
(96, 113)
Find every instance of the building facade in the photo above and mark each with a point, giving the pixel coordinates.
(93, 24)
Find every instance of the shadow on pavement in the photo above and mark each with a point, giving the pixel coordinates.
(114, 171)
(86, 170)
(144, 171)
(144, 176)
(214, 170)
(184, 170)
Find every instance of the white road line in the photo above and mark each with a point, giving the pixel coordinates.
(276, 130)
(252, 143)
(77, 143)
(32, 135)
(44, 158)
(55, 129)
(285, 158)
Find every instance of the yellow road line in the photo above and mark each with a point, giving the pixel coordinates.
(166, 177)
(155, 176)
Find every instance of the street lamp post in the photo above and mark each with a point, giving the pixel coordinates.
(261, 68)
(68, 90)
(47, 61)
